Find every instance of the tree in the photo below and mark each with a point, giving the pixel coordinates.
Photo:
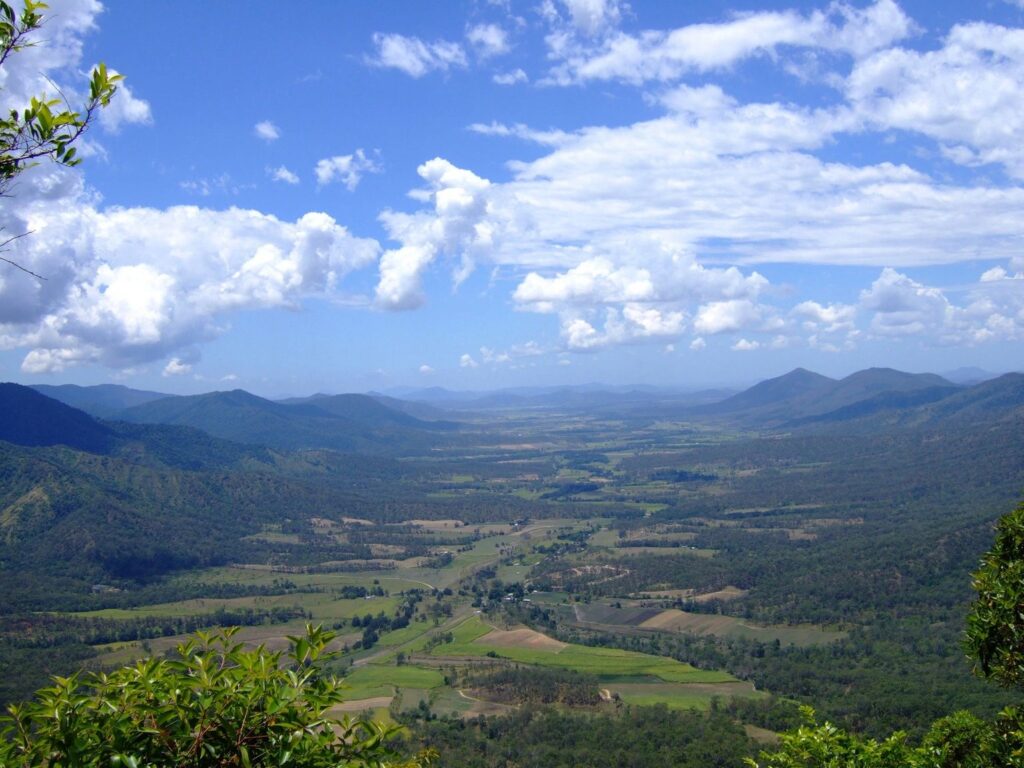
(994, 640)
(216, 705)
(995, 626)
(47, 128)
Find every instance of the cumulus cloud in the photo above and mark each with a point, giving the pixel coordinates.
(744, 345)
(426, 370)
(267, 131)
(125, 109)
(467, 361)
(346, 169)
(456, 225)
(130, 285)
(966, 95)
(282, 174)
(698, 344)
(414, 56)
(488, 40)
(176, 367)
(903, 307)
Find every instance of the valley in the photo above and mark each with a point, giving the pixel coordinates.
(628, 551)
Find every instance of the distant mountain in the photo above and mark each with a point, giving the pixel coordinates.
(1001, 398)
(102, 400)
(374, 410)
(802, 396)
(942, 407)
(793, 386)
(969, 375)
(869, 383)
(350, 423)
(30, 418)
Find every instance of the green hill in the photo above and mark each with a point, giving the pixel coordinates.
(348, 423)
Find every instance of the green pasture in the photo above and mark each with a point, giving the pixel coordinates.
(604, 662)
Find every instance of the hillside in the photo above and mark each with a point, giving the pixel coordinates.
(103, 400)
(936, 408)
(775, 393)
(350, 423)
(377, 411)
(801, 396)
(32, 419)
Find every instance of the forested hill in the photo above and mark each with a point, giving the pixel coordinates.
(104, 401)
(350, 423)
(30, 418)
(873, 399)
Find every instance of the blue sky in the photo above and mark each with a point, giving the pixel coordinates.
(474, 195)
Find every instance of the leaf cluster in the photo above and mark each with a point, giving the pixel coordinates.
(47, 127)
(216, 704)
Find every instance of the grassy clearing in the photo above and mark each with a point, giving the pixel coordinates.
(323, 605)
(470, 640)
(371, 680)
(673, 620)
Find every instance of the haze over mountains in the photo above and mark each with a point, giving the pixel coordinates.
(167, 482)
(372, 423)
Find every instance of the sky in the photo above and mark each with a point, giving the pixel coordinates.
(358, 196)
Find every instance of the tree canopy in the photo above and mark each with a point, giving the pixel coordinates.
(216, 704)
(994, 641)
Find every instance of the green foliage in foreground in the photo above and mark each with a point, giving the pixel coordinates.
(217, 705)
(960, 740)
(995, 640)
(995, 628)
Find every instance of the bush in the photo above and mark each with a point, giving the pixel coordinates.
(217, 704)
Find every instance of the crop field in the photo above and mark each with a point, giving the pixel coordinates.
(371, 680)
(472, 639)
(673, 620)
(325, 606)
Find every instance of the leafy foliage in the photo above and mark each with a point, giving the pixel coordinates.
(46, 128)
(995, 627)
(960, 740)
(218, 704)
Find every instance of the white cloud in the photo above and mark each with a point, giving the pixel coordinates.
(512, 77)
(633, 323)
(467, 361)
(267, 131)
(426, 370)
(668, 55)
(698, 344)
(125, 108)
(347, 169)
(51, 63)
(455, 225)
(281, 173)
(130, 285)
(488, 40)
(743, 345)
(904, 307)
(416, 57)
(730, 316)
(521, 131)
(492, 356)
(968, 95)
(176, 367)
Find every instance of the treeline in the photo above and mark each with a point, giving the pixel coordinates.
(554, 739)
(892, 675)
(34, 647)
(533, 685)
